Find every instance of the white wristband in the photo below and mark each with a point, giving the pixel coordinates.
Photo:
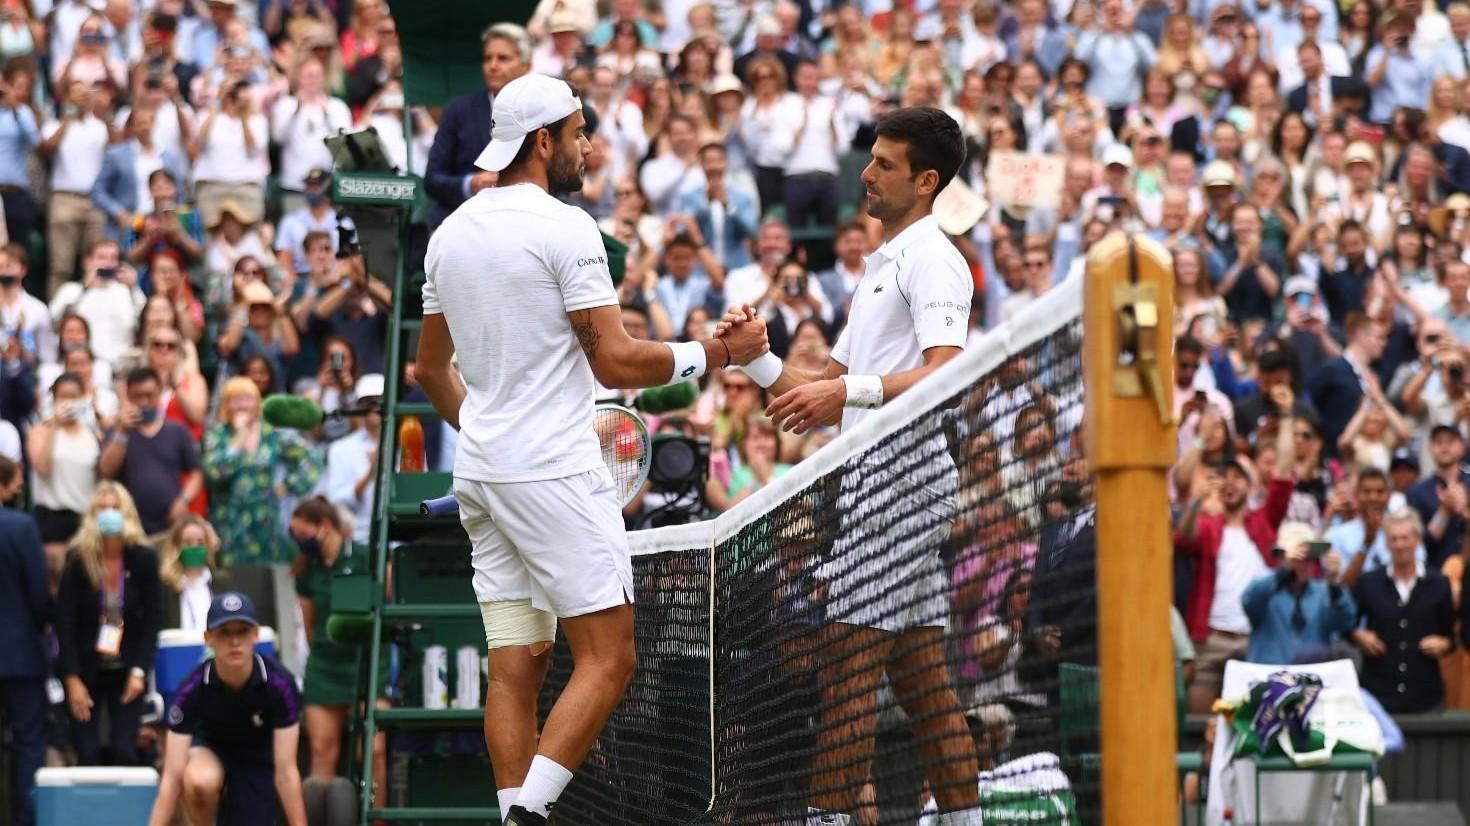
(765, 370)
(689, 361)
(864, 391)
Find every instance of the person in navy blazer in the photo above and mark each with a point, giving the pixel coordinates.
(25, 611)
(464, 126)
(116, 189)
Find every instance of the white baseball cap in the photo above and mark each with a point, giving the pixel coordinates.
(528, 103)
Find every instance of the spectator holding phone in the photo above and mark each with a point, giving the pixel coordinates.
(63, 449)
(107, 298)
(74, 145)
(170, 224)
(1408, 623)
(1300, 604)
(259, 326)
(156, 460)
(1374, 432)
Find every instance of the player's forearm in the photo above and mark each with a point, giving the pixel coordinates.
(288, 789)
(792, 378)
(166, 802)
(445, 389)
(896, 384)
(651, 364)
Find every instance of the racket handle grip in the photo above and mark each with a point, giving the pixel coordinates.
(443, 506)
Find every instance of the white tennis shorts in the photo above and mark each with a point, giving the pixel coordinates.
(559, 543)
(884, 569)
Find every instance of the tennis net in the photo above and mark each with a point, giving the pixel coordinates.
(912, 604)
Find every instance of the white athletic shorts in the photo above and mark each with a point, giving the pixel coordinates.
(559, 543)
(884, 569)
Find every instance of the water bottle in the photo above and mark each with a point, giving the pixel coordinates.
(436, 677)
(411, 458)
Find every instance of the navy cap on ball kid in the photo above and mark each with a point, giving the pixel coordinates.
(230, 607)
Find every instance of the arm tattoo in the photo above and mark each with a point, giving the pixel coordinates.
(587, 334)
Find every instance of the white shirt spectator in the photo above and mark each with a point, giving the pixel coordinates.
(67, 19)
(300, 131)
(749, 285)
(166, 134)
(110, 307)
(79, 155)
(29, 318)
(668, 178)
(757, 123)
(10, 446)
(806, 134)
(347, 462)
(1238, 564)
(223, 157)
(73, 472)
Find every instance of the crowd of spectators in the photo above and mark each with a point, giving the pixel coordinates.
(172, 256)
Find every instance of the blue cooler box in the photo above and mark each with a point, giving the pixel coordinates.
(179, 651)
(68, 797)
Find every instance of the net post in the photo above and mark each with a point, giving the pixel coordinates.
(1128, 313)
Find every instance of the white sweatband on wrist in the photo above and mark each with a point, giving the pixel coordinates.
(765, 370)
(864, 391)
(689, 361)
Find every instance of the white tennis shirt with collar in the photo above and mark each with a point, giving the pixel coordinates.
(915, 294)
(504, 270)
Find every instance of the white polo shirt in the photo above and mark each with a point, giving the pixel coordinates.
(504, 270)
(914, 294)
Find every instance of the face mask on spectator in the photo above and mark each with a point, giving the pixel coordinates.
(110, 522)
(193, 556)
(310, 546)
(314, 198)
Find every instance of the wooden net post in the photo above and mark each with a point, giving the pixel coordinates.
(1128, 315)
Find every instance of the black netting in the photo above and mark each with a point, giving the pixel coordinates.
(922, 612)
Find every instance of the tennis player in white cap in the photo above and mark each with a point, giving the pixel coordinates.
(518, 287)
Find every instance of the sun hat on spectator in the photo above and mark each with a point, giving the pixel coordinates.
(1442, 216)
(369, 386)
(528, 103)
(1218, 173)
(1117, 155)
(1299, 285)
(1360, 152)
(561, 21)
(257, 292)
(1294, 533)
(317, 177)
(236, 208)
(958, 208)
(725, 83)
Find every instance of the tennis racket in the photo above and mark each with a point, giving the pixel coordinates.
(626, 451)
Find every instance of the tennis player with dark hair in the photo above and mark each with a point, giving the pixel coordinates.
(519, 289)
(888, 600)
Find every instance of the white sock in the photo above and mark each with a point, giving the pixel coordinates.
(507, 798)
(966, 817)
(544, 784)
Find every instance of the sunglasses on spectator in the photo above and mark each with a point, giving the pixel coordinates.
(160, 344)
(251, 271)
(729, 386)
(1037, 264)
(625, 193)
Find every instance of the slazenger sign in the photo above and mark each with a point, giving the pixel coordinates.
(377, 189)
